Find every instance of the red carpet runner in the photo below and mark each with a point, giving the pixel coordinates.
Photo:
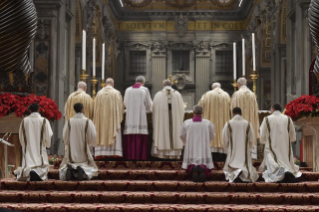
(156, 187)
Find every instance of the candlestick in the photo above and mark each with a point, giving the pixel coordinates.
(102, 84)
(244, 58)
(94, 42)
(84, 50)
(254, 77)
(83, 76)
(234, 60)
(103, 59)
(94, 82)
(254, 51)
(235, 85)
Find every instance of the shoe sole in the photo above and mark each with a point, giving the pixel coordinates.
(34, 176)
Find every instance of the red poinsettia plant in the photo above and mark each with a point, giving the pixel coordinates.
(19, 105)
(304, 106)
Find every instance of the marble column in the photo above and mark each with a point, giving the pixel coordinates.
(158, 72)
(202, 69)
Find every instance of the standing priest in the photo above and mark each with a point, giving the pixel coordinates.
(107, 119)
(79, 96)
(216, 105)
(35, 136)
(137, 102)
(277, 132)
(238, 139)
(246, 100)
(168, 116)
(78, 135)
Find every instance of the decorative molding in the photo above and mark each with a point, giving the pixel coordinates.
(158, 48)
(181, 25)
(202, 48)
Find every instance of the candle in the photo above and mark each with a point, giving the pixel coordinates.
(244, 58)
(234, 58)
(84, 50)
(254, 53)
(94, 56)
(103, 59)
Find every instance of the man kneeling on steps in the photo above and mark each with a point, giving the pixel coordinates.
(197, 134)
(78, 134)
(35, 136)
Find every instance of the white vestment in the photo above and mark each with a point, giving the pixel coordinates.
(78, 135)
(148, 109)
(137, 103)
(238, 141)
(197, 136)
(35, 136)
(113, 150)
(167, 124)
(277, 132)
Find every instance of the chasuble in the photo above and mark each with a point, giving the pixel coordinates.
(168, 116)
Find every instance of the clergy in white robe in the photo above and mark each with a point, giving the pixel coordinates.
(137, 102)
(35, 136)
(246, 100)
(238, 139)
(277, 131)
(79, 96)
(78, 135)
(216, 105)
(109, 108)
(168, 117)
(196, 134)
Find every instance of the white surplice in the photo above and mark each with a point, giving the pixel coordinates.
(148, 109)
(78, 135)
(137, 102)
(197, 136)
(167, 124)
(277, 136)
(34, 153)
(238, 141)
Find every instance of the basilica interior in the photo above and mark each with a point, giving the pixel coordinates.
(194, 43)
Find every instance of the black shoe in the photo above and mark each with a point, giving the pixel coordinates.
(202, 176)
(34, 176)
(68, 174)
(238, 180)
(80, 173)
(195, 176)
(290, 178)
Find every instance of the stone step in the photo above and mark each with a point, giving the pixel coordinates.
(162, 185)
(159, 197)
(163, 165)
(53, 207)
(157, 174)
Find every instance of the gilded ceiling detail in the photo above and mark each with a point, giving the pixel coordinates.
(181, 3)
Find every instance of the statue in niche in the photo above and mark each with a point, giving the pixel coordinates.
(181, 25)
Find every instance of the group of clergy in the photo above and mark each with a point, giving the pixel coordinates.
(210, 130)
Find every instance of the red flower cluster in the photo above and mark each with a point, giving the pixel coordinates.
(10, 103)
(303, 106)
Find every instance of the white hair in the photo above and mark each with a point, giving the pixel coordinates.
(140, 79)
(109, 81)
(167, 83)
(198, 110)
(242, 81)
(81, 85)
(216, 85)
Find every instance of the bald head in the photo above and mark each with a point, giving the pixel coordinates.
(82, 85)
(109, 81)
(241, 81)
(216, 85)
(198, 110)
(167, 83)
